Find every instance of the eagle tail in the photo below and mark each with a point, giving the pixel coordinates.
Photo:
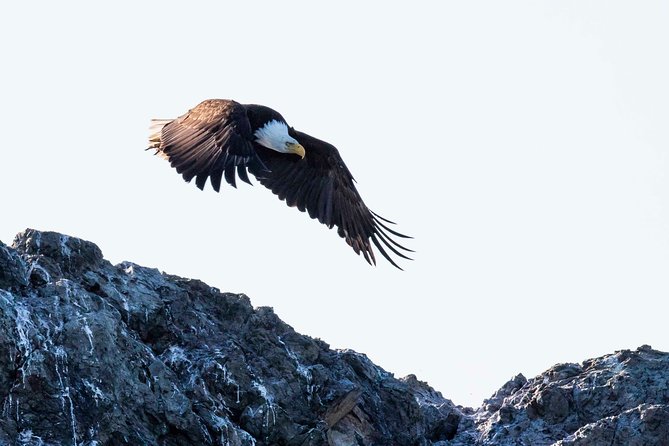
(155, 137)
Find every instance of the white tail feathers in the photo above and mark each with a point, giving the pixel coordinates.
(156, 130)
(155, 135)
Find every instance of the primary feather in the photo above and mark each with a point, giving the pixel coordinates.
(222, 139)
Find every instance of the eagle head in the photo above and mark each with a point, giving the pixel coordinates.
(274, 135)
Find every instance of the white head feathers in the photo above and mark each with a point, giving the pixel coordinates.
(274, 135)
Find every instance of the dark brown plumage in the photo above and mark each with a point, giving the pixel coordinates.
(222, 138)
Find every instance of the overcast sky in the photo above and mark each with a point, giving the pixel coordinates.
(523, 144)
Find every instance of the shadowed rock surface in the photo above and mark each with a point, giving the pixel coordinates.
(98, 354)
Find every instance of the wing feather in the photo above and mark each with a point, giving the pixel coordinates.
(322, 185)
(213, 140)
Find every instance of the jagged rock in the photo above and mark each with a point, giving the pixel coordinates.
(645, 425)
(620, 399)
(94, 353)
(13, 271)
(98, 354)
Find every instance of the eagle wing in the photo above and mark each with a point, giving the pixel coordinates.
(212, 139)
(322, 185)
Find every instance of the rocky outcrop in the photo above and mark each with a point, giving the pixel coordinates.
(620, 399)
(98, 354)
(93, 353)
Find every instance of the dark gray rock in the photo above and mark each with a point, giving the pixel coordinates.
(618, 399)
(99, 354)
(94, 353)
(645, 425)
(13, 271)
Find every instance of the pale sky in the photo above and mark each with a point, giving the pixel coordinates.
(523, 144)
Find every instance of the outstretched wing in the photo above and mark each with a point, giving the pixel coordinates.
(322, 185)
(212, 139)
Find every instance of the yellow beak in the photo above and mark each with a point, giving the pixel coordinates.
(297, 149)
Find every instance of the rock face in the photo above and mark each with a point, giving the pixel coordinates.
(92, 353)
(620, 399)
(99, 354)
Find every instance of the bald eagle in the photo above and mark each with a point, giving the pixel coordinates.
(223, 138)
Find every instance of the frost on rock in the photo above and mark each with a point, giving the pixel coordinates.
(98, 354)
(95, 392)
(62, 371)
(267, 411)
(124, 354)
(26, 437)
(89, 334)
(302, 370)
